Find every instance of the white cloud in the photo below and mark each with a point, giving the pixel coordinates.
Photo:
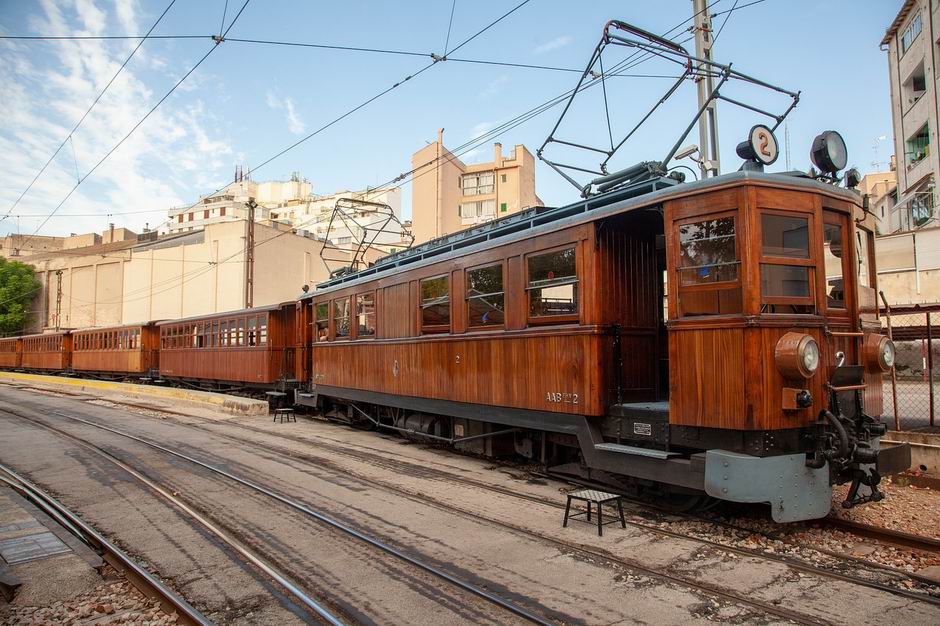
(552, 44)
(45, 93)
(493, 87)
(294, 123)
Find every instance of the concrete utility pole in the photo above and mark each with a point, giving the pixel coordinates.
(708, 123)
(58, 299)
(250, 255)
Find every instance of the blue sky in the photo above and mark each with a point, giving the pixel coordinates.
(247, 102)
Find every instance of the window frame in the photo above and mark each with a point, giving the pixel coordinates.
(466, 285)
(809, 262)
(832, 217)
(375, 316)
(435, 329)
(316, 320)
(568, 318)
(334, 318)
(724, 285)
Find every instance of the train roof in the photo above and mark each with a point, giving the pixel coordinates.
(538, 220)
(211, 316)
(88, 329)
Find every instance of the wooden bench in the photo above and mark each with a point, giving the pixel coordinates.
(282, 412)
(600, 498)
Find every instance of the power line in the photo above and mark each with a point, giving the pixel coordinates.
(141, 121)
(450, 25)
(323, 46)
(727, 17)
(98, 37)
(79, 123)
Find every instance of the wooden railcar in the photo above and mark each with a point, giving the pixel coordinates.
(11, 353)
(250, 347)
(559, 324)
(49, 351)
(129, 349)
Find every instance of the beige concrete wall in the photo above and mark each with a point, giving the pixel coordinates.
(909, 267)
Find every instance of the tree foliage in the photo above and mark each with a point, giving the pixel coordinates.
(18, 287)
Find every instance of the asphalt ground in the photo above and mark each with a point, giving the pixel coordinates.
(400, 493)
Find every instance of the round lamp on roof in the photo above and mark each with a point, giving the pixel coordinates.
(829, 153)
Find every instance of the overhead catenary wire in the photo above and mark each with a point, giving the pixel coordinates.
(85, 115)
(141, 121)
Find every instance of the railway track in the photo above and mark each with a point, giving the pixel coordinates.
(627, 564)
(889, 577)
(144, 581)
(282, 578)
(883, 535)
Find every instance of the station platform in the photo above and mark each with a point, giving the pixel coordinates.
(235, 405)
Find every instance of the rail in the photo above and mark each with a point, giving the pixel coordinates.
(146, 582)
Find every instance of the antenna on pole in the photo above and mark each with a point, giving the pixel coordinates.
(708, 122)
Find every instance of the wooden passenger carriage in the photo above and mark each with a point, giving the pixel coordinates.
(130, 349)
(50, 351)
(247, 347)
(11, 355)
(645, 330)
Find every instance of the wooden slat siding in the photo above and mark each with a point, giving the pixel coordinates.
(248, 365)
(137, 361)
(395, 320)
(707, 374)
(265, 364)
(494, 369)
(11, 353)
(36, 357)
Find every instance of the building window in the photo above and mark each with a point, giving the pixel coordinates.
(435, 305)
(179, 218)
(477, 184)
(708, 267)
(222, 212)
(190, 217)
(365, 315)
(341, 318)
(915, 86)
(917, 147)
(485, 297)
(910, 33)
(502, 178)
(205, 214)
(502, 207)
(323, 321)
(553, 284)
(479, 209)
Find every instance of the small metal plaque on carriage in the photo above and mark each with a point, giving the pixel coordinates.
(642, 428)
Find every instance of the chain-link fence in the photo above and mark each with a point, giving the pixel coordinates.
(912, 390)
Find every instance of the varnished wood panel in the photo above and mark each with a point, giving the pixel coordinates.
(707, 373)
(11, 356)
(395, 305)
(519, 371)
(247, 365)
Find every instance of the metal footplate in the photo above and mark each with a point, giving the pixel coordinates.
(795, 492)
(622, 449)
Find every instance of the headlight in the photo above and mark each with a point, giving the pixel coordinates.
(879, 352)
(797, 355)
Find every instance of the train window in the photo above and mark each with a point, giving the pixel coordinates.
(708, 267)
(341, 317)
(834, 261)
(435, 305)
(786, 275)
(323, 321)
(708, 252)
(862, 238)
(485, 296)
(263, 330)
(214, 335)
(365, 314)
(241, 331)
(785, 236)
(553, 284)
(223, 333)
(252, 326)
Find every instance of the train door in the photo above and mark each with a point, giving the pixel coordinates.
(631, 289)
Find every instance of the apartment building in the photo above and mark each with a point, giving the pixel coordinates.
(448, 195)
(911, 44)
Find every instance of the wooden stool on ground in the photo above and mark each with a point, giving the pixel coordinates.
(283, 412)
(592, 496)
